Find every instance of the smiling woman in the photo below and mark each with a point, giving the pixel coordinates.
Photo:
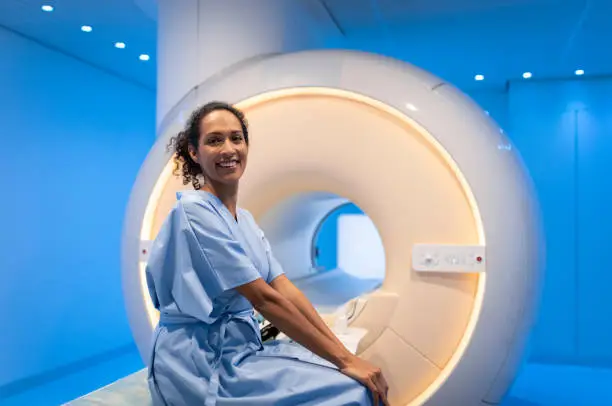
(220, 125)
(210, 267)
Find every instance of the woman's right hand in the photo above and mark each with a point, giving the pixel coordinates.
(370, 376)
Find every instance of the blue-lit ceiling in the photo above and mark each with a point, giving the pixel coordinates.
(472, 43)
(112, 23)
(502, 40)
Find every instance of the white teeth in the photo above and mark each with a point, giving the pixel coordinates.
(229, 164)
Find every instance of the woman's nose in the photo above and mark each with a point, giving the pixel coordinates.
(228, 147)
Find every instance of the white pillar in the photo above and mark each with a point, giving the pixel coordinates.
(199, 38)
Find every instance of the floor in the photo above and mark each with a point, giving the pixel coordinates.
(537, 385)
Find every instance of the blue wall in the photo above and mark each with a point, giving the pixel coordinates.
(564, 131)
(327, 237)
(72, 140)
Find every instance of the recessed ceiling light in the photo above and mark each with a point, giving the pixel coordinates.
(119, 45)
(144, 57)
(47, 8)
(86, 28)
(479, 77)
(579, 72)
(527, 75)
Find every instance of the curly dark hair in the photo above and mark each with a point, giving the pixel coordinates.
(183, 163)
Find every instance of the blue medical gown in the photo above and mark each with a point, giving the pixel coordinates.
(207, 348)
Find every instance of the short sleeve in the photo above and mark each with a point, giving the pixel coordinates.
(218, 258)
(276, 269)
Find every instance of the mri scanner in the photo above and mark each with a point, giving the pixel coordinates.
(452, 202)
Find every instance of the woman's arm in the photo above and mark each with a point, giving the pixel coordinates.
(281, 312)
(286, 316)
(285, 287)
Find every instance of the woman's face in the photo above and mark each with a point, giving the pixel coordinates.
(222, 149)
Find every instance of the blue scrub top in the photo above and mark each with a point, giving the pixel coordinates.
(207, 348)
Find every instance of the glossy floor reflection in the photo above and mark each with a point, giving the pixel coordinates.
(537, 385)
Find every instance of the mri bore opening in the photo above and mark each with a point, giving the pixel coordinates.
(305, 223)
(348, 258)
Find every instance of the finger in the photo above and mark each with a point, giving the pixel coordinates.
(374, 390)
(381, 381)
(381, 390)
(385, 384)
(386, 400)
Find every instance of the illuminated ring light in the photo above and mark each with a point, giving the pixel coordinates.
(449, 196)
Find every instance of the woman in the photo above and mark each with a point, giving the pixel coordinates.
(209, 268)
